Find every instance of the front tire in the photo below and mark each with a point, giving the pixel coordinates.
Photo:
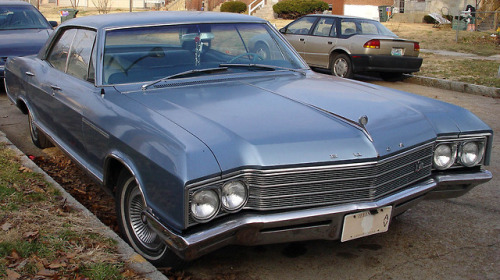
(341, 66)
(39, 139)
(133, 224)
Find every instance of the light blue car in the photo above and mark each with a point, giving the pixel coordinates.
(210, 130)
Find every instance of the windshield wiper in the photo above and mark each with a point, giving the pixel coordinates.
(262, 66)
(177, 75)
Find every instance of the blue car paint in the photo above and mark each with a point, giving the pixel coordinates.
(184, 133)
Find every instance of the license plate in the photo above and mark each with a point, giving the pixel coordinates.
(366, 223)
(397, 51)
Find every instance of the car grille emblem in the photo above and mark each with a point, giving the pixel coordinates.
(419, 165)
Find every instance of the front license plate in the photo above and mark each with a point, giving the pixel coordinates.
(397, 51)
(366, 223)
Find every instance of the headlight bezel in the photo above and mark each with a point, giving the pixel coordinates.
(215, 186)
(217, 207)
(457, 146)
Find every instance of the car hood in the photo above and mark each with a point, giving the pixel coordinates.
(22, 42)
(291, 119)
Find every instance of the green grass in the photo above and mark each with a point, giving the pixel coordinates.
(479, 72)
(102, 271)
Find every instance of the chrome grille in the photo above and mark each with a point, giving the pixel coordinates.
(305, 188)
(332, 184)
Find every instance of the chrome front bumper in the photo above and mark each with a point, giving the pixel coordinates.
(257, 228)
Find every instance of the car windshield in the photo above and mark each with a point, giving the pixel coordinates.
(21, 17)
(146, 54)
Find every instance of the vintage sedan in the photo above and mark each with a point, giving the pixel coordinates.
(206, 143)
(23, 30)
(347, 45)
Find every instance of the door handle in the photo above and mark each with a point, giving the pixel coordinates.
(55, 87)
(28, 73)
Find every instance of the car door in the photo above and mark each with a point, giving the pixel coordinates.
(298, 32)
(68, 86)
(317, 47)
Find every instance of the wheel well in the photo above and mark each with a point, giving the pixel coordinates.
(112, 170)
(22, 106)
(334, 53)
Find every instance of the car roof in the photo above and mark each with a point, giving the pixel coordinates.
(337, 16)
(124, 20)
(14, 3)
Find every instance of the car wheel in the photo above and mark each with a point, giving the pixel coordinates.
(39, 139)
(262, 50)
(391, 76)
(133, 224)
(341, 66)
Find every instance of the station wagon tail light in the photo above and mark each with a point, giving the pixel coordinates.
(372, 44)
(416, 46)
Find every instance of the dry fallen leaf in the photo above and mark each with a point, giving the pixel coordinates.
(31, 235)
(25, 169)
(46, 273)
(6, 226)
(12, 275)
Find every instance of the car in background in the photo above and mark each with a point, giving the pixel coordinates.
(23, 30)
(206, 143)
(347, 45)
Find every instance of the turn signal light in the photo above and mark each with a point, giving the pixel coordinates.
(372, 44)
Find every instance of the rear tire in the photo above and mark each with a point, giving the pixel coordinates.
(133, 224)
(39, 139)
(341, 66)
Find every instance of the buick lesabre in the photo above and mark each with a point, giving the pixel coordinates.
(206, 142)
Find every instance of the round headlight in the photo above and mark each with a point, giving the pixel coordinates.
(444, 156)
(470, 154)
(234, 195)
(204, 204)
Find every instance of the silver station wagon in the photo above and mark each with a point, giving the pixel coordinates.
(207, 140)
(348, 45)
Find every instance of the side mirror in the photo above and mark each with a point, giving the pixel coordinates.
(53, 23)
(282, 30)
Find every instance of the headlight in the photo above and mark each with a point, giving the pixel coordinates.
(471, 153)
(204, 204)
(234, 195)
(444, 155)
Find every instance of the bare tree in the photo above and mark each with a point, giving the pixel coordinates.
(74, 3)
(102, 6)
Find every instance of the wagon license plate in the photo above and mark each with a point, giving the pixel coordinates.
(397, 51)
(366, 223)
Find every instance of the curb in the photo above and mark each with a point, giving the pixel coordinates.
(133, 260)
(453, 85)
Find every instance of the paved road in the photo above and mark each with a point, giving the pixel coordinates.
(444, 239)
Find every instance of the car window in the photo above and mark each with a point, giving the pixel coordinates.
(324, 27)
(347, 27)
(301, 26)
(368, 28)
(21, 17)
(58, 55)
(81, 49)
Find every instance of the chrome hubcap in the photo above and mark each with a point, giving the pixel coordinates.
(138, 222)
(340, 67)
